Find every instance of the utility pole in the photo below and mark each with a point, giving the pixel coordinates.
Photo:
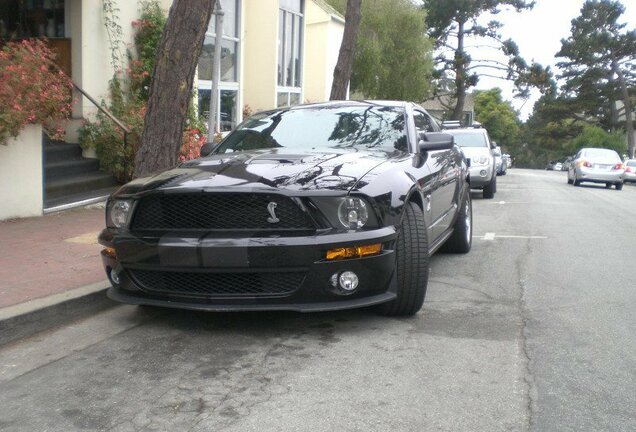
(213, 126)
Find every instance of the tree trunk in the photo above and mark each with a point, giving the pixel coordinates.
(171, 86)
(627, 104)
(460, 74)
(342, 71)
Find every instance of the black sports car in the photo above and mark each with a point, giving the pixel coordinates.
(315, 207)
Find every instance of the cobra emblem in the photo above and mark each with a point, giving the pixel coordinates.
(271, 208)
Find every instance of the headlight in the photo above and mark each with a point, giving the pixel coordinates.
(117, 214)
(353, 213)
(481, 160)
(348, 212)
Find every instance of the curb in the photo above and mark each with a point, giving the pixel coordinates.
(28, 318)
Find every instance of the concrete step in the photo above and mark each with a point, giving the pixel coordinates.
(60, 152)
(77, 184)
(54, 170)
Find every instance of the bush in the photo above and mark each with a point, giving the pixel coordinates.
(32, 90)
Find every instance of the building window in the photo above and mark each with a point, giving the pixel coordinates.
(290, 36)
(228, 100)
(35, 18)
(229, 85)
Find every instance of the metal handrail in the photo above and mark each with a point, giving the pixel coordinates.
(106, 112)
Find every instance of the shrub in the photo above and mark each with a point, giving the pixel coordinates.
(32, 89)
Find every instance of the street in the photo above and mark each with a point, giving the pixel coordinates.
(533, 330)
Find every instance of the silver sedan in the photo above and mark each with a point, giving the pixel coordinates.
(597, 165)
(630, 171)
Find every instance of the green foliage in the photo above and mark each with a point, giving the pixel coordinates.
(115, 154)
(498, 117)
(113, 30)
(453, 26)
(598, 55)
(594, 136)
(393, 54)
(147, 37)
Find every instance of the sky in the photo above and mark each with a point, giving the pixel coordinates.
(538, 34)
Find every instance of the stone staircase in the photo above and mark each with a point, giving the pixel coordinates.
(70, 178)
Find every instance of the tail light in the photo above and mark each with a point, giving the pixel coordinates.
(585, 164)
(618, 166)
(628, 169)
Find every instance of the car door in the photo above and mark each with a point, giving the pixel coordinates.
(442, 165)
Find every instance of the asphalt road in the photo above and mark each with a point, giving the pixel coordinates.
(532, 330)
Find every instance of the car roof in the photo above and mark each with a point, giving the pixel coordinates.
(465, 131)
(341, 103)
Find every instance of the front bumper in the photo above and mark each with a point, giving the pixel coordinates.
(480, 176)
(252, 273)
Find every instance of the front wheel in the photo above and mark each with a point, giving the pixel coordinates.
(411, 265)
(462, 238)
(489, 190)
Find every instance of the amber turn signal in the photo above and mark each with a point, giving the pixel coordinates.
(354, 252)
(110, 252)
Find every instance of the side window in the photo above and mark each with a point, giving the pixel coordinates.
(423, 123)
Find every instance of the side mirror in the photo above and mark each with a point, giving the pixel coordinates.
(430, 141)
(207, 148)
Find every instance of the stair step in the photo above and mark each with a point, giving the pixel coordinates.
(67, 168)
(59, 152)
(78, 184)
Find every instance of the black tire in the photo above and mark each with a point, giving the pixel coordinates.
(608, 185)
(491, 188)
(569, 181)
(411, 265)
(575, 181)
(619, 186)
(462, 238)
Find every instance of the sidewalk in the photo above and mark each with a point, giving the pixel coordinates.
(46, 260)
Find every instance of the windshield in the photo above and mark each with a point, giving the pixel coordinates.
(322, 128)
(469, 139)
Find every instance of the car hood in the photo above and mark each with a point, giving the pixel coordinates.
(262, 170)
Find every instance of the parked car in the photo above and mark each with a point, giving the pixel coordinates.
(476, 145)
(566, 163)
(630, 171)
(558, 166)
(501, 163)
(597, 165)
(550, 165)
(508, 160)
(310, 208)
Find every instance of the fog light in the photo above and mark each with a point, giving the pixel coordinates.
(114, 276)
(483, 173)
(348, 281)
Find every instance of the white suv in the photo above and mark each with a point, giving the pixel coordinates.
(477, 147)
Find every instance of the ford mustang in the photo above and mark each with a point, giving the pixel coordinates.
(309, 208)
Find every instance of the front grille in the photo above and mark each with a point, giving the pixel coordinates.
(217, 284)
(227, 211)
